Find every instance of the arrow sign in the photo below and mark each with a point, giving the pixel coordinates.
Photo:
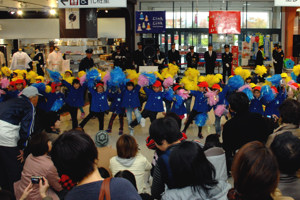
(63, 1)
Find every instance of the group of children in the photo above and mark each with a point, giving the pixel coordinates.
(125, 99)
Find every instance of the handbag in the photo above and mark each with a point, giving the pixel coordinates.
(105, 191)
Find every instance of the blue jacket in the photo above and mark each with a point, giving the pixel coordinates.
(75, 97)
(200, 104)
(99, 101)
(223, 97)
(272, 108)
(51, 98)
(155, 100)
(131, 98)
(256, 106)
(116, 104)
(179, 110)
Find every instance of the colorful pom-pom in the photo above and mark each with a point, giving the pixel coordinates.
(55, 76)
(275, 79)
(57, 105)
(235, 82)
(296, 70)
(200, 119)
(221, 110)
(143, 81)
(212, 98)
(4, 83)
(267, 93)
(168, 82)
(260, 70)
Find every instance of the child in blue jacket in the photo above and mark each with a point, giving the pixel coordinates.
(131, 102)
(116, 109)
(200, 106)
(74, 100)
(99, 105)
(153, 105)
(272, 107)
(256, 105)
(179, 110)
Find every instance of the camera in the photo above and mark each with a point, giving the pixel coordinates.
(36, 179)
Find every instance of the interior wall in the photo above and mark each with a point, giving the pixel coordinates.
(111, 27)
(29, 28)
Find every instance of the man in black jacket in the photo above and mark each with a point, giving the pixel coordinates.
(16, 126)
(275, 54)
(159, 59)
(119, 58)
(192, 58)
(87, 62)
(259, 56)
(243, 127)
(210, 58)
(173, 55)
(227, 62)
(138, 57)
(279, 61)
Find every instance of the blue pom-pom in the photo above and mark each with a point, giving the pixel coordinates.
(249, 93)
(55, 76)
(117, 77)
(151, 77)
(179, 101)
(91, 77)
(267, 93)
(275, 79)
(236, 82)
(294, 77)
(40, 86)
(201, 119)
(169, 95)
(57, 105)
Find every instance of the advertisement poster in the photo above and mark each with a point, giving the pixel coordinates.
(72, 18)
(224, 22)
(235, 56)
(150, 22)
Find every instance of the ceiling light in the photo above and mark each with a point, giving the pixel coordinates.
(52, 12)
(12, 12)
(20, 12)
(106, 11)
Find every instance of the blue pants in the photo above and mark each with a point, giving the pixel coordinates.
(137, 114)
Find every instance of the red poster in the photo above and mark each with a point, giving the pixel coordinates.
(224, 22)
(235, 57)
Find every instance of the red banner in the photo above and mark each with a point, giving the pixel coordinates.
(235, 57)
(224, 22)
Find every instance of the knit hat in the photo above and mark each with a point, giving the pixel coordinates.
(69, 72)
(99, 84)
(203, 84)
(157, 84)
(216, 87)
(101, 139)
(176, 87)
(40, 78)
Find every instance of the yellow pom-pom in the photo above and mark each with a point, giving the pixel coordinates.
(81, 74)
(296, 70)
(40, 78)
(132, 75)
(238, 71)
(211, 80)
(260, 70)
(17, 78)
(246, 74)
(102, 74)
(192, 73)
(31, 76)
(158, 75)
(201, 79)
(48, 89)
(23, 72)
(173, 69)
(6, 71)
(288, 79)
(188, 84)
(252, 85)
(219, 76)
(69, 79)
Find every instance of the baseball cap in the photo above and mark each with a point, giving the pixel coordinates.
(31, 92)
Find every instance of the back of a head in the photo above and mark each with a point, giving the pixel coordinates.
(6, 195)
(211, 141)
(127, 146)
(286, 148)
(239, 102)
(38, 144)
(165, 129)
(74, 153)
(290, 112)
(127, 175)
(174, 116)
(255, 171)
(190, 167)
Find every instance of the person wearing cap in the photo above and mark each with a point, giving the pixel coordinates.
(227, 62)
(119, 58)
(260, 56)
(39, 57)
(99, 105)
(138, 57)
(192, 58)
(159, 59)
(173, 55)
(210, 58)
(18, 86)
(87, 62)
(256, 105)
(279, 61)
(200, 106)
(16, 125)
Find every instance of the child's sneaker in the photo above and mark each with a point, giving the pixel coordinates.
(82, 115)
(108, 130)
(120, 132)
(143, 122)
(131, 132)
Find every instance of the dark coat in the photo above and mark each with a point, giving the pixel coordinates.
(210, 62)
(192, 60)
(174, 56)
(259, 58)
(86, 64)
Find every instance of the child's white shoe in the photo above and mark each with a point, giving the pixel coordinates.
(143, 122)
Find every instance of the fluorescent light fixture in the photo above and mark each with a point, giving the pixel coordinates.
(20, 12)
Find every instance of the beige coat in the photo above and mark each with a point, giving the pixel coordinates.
(283, 128)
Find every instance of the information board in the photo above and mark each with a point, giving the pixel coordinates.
(224, 22)
(150, 22)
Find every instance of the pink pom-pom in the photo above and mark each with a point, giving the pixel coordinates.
(168, 82)
(291, 82)
(4, 83)
(212, 98)
(244, 87)
(183, 93)
(221, 110)
(106, 78)
(143, 81)
(82, 79)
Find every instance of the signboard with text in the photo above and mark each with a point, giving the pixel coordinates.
(287, 3)
(150, 22)
(224, 22)
(92, 3)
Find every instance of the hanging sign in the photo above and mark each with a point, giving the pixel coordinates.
(92, 3)
(235, 56)
(150, 22)
(224, 22)
(287, 3)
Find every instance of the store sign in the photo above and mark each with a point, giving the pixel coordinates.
(150, 22)
(92, 3)
(287, 3)
(224, 22)
(235, 56)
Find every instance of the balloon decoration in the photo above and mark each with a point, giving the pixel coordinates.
(288, 63)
